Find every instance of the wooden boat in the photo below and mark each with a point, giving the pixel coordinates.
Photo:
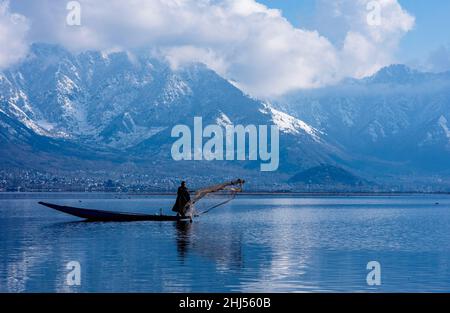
(229, 188)
(109, 216)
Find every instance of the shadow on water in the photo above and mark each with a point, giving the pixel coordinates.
(183, 237)
(217, 244)
(220, 244)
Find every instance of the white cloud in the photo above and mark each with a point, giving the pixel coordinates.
(13, 28)
(367, 47)
(242, 40)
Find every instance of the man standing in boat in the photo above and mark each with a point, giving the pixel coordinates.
(183, 197)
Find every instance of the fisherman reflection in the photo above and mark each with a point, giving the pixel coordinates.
(201, 240)
(183, 237)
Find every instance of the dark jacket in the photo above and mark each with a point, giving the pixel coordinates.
(183, 197)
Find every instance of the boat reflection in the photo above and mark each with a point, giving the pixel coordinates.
(216, 242)
(223, 245)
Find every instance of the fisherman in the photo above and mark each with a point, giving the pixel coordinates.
(183, 197)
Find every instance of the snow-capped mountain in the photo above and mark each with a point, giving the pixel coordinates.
(60, 110)
(399, 116)
(124, 106)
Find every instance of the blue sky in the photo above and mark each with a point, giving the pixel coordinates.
(432, 27)
(431, 31)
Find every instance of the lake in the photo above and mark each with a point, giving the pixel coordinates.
(276, 243)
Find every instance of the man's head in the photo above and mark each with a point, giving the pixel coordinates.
(183, 184)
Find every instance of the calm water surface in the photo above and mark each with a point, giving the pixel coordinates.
(273, 244)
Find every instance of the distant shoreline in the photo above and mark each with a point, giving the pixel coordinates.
(247, 193)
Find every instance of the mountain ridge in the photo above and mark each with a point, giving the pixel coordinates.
(111, 111)
(122, 109)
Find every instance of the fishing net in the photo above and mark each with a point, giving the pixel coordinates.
(209, 198)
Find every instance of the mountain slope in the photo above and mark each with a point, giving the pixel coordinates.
(327, 175)
(121, 108)
(398, 117)
(115, 112)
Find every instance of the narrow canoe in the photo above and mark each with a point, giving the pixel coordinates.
(109, 216)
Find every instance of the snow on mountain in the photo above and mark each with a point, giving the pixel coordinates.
(444, 125)
(289, 124)
(223, 120)
(396, 115)
(123, 107)
(82, 96)
(437, 134)
(395, 74)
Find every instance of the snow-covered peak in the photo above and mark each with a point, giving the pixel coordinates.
(175, 88)
(396, 74)
(289, 124)
(128, 122)
(443, 124)
(223, 120)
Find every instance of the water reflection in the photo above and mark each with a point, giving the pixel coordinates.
(183, 230)
(252, 245)
(223, 246)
